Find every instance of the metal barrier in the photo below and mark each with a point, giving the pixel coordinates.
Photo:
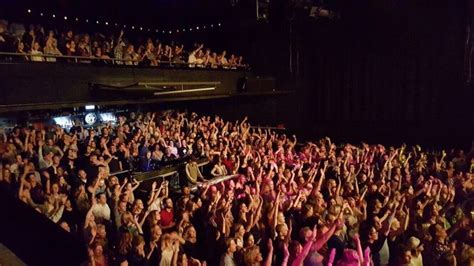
(25, 57)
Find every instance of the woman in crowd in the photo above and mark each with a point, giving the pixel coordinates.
(288, 204)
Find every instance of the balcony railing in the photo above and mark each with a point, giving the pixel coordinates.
(102, 61)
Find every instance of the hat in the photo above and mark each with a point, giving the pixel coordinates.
(413, 242)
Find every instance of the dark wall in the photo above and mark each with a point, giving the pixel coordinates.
(30, 83)
(387, 71)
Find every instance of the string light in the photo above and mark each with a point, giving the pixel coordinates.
(141, 28)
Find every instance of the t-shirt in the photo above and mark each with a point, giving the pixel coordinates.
(167, 218)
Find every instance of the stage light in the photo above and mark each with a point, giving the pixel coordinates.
(87, 21)
(184, 30)
(65, 18)
(141, 28)
(107, 117)
(156, 31)
(163, 32)
(133, 27)
(29, 11)
(212, 25)
(106, 23)
(116, 24)
(190, 29)
(97, 22)
(203, 27)
(41, 14)
(90, 107)
(177, 30)
(77, 19)
(170, 32)
(219, 24)
(148, 29)
(54, 15)
(197, 28)
(63, 121)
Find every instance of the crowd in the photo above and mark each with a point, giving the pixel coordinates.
(40, 45)
(291, 204)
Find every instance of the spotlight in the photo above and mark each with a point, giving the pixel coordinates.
(184, 30)
(148, 29)
(190, 29)
(41, 14)
(177, 30)
(156, 31)
(116, 24)
(29, 11)
(87, 21)
(203, 27)
(170, 32)
(65, 18)
(54, 15)
(97, 22)
(133, 27)
(212, 25)
(77, 19)
(163, 32)
(197, 28)
(219, 24)
(141, 28)
(106, 23)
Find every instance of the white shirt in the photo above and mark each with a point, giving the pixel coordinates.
(101, 211)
